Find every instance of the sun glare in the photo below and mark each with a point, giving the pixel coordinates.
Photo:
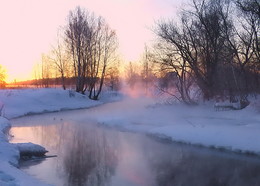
(32, 28)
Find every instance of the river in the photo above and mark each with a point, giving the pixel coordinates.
(90, 154)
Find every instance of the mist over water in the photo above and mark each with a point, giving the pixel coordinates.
(138, 90)
(89, 154)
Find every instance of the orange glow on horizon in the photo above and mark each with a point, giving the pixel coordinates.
(29, 28)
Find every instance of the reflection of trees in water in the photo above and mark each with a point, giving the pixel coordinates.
(186, 167)
(90, 157)
(47, 135)
(87, 154)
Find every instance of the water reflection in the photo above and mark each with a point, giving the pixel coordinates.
(202, 167)
(92, 155)
(87, 155)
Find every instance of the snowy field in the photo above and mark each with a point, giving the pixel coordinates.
(235, 130)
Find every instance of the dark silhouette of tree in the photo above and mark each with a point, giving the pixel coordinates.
(199, 41)
(92, 45)
(75, 32)
(113, 77)
(250, 35)
(60, 58)
(102, 56)
(207, 45)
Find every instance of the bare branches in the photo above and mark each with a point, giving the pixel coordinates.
(221, 56)
(92, 45)
(60, 58)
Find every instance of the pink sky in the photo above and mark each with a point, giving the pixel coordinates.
(29, 27)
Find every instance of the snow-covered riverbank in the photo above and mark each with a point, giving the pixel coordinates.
(235, 130)
(232, 130)
(9, 156)
(20, 102)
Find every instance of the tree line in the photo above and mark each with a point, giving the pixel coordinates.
(215, 47)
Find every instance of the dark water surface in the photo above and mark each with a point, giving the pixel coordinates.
(89, 154)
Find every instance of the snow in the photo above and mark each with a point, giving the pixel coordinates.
(4, 127)
(20, 102)
(235, 130)
(9, 156)
(30, 149)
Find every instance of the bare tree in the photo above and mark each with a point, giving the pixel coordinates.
(75, 37)
(220, 53)
(104, 51)
(60, 59)
(199, 42)
(113, 76)
(250, 34)
(176, 72)
(46, 71)
(92, 45)
(37, 74)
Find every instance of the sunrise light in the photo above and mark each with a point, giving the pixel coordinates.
(129, 92)
(29, 28)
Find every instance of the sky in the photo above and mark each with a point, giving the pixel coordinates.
(29, 27)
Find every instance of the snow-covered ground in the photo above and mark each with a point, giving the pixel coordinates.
(9, 156)
(236, 130)
(20, 102)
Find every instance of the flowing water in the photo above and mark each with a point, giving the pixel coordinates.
(89, 154)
